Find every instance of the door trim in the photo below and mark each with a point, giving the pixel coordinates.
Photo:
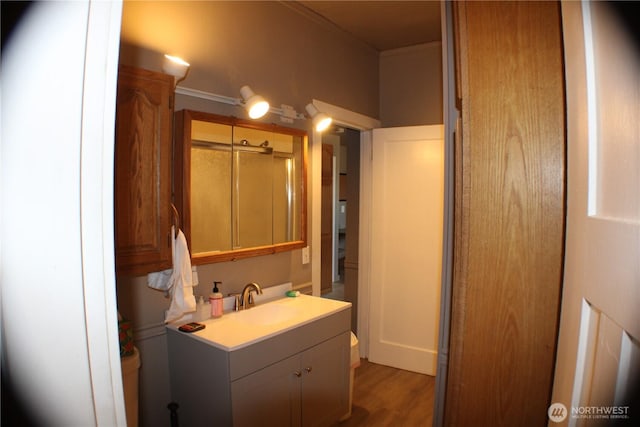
(362, 123)
(450, 119)
(96, 210)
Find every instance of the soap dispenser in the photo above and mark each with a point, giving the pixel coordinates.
(216, 301)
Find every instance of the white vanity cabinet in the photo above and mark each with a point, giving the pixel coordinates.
(303, 390)
(299, 377)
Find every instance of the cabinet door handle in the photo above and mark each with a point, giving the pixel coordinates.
(308, 369)
(297, 374)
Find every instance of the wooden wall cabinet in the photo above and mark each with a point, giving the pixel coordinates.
(143, 218)
(509, 213)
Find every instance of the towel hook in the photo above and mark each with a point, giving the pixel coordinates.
(176, 217)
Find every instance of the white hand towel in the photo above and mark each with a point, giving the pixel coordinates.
(160, 280)
(181, 282)
(177, 281)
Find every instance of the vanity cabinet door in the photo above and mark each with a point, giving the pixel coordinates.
(142, 201)
(310, 389)
(268, 397)
(325, 382)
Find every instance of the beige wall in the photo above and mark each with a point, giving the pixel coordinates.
(281, 54)
(411, 86)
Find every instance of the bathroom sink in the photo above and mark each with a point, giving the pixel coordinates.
(238, 329)
(268, 314)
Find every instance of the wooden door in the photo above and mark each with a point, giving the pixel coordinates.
(326, 225)
(509, 213)
(598, 352)
(406, 246)
(143, 171)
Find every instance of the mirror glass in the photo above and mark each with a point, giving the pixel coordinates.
(246, 186)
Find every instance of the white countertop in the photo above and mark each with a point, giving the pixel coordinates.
(238, 329)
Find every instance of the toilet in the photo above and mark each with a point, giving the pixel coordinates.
(130, 367)
(355, 362)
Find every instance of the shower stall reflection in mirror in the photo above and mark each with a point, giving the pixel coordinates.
(259, 182)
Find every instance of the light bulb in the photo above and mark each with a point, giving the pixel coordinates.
(177, 67)
(255, 104)
(321, 121)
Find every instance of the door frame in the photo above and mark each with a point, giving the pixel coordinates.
(96, 204)
(80, 207)
(326, 246)
(450, 121)
(362, 123)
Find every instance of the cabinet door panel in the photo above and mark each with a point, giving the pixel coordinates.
(143, 171)
(325, 382)
(269, 397)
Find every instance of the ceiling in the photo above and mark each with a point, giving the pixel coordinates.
(383, 25)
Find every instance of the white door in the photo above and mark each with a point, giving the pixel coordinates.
(407, 197)
(598, 358)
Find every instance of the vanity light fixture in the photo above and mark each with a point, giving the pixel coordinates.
(321, 121)
(255, 105)
(177, 67)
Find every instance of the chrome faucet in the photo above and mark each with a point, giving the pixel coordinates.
(246, 297)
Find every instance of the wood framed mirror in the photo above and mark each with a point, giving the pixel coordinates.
(240, 186)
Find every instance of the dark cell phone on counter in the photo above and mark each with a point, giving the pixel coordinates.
(191, 327)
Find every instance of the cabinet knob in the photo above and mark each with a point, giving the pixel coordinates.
(297, 374)
(308, 369)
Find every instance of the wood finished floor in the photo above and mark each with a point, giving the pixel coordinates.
(385, 396)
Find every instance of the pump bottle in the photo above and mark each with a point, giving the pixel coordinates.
(215, 299)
